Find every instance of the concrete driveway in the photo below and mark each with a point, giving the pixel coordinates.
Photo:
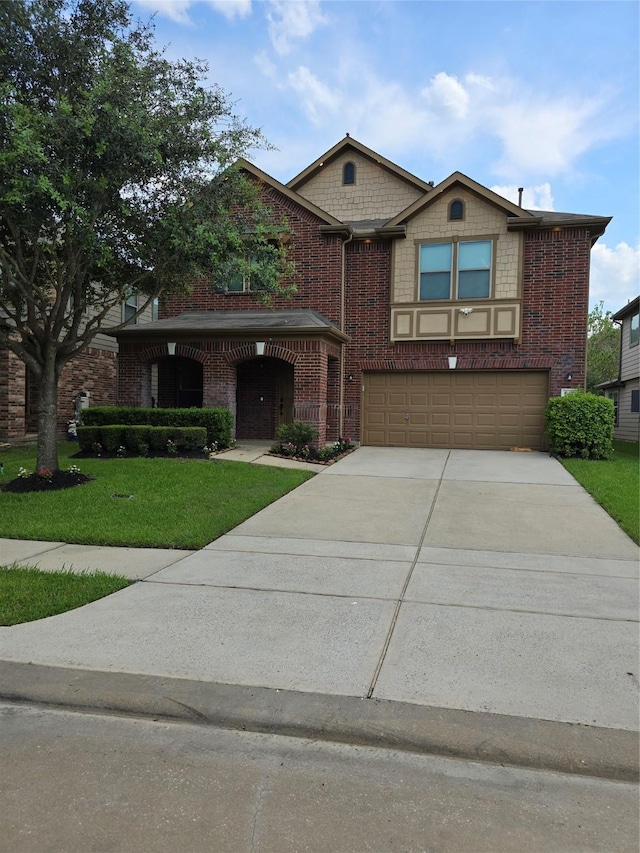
(481, 581)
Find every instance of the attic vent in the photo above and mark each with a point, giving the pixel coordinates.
(349, 173)
(456, 209)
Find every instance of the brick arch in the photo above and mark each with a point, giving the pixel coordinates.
(158, 351)
(247, 351)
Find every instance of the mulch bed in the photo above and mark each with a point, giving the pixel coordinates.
(312, 460)
(34, 483)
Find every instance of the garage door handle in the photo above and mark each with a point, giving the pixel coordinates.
(406, 416)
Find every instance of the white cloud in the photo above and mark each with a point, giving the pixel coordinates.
(178, 10)
(292, 20)
(265, 65)
(446, 94)
(615, 275)
(544, 136)
(537, 197)
(316, 99)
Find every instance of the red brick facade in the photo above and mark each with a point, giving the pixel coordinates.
(347, 279)
(93, 371)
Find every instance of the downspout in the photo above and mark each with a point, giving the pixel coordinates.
(343, 276)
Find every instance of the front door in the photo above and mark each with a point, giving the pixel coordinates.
(284, 394)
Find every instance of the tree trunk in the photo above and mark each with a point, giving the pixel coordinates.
(48, 414)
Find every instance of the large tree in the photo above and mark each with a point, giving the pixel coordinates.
(116, 174)
(603, 347)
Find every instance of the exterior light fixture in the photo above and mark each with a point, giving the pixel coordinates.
(453, 361)
(569, 377)
(171, 348)
(260, 347)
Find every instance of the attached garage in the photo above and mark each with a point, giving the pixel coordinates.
(480, 410)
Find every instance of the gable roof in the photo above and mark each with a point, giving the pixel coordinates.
(629, 308)
(346, 144)
(458, 179)
(286, 191)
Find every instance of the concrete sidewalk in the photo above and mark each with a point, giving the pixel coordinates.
(448, 582)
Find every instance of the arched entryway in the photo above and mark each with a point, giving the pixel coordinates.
(179, 383)
(264, 397)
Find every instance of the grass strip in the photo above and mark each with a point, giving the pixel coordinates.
(614, 484)
(174, 503)
(27, 594)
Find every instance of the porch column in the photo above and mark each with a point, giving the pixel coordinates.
(310, 390)
(219, 385)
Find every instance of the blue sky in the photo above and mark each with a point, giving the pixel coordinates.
(542, 95)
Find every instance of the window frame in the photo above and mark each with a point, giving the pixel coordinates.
(454, 282)
(127, 303)
(460, 218)
(634, 334)
(352, 165)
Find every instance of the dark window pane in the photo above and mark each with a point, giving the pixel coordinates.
(474, 284)
(456, 210)
(435, 285)
(349, 174)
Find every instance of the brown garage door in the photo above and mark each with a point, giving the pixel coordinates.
(458, 409)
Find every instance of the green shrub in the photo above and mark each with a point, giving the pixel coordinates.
(139, 439)
(111, 437)
(136, 439)
(580, 425)
(87, 437)
(298, 434)
(218, 423)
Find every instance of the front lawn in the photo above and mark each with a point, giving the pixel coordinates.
(614, 484)
(27, 594)
(173, 503)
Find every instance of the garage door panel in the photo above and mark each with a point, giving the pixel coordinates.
(458, 409)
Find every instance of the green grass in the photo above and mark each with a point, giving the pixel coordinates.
(176, 503)
(27, 594)
(614, 484)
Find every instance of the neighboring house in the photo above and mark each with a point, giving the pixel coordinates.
(425, 316)
(93, 373)
(625, 390)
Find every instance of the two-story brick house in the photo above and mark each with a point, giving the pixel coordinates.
(425, 316)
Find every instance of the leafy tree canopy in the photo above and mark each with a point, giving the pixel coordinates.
(603, 347)
(116, 173)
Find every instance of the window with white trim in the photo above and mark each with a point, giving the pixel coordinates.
(458, 270)
(634, 330)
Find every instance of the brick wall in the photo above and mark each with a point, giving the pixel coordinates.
(555, 304)
(318, 264)
(93, 370)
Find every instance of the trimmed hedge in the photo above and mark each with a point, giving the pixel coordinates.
(580, 425)
(139, 439)
(217, 422)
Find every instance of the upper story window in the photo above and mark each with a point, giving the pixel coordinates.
(240, 283)
(460, 270)
(130, 306)
(349, 173)
(456, 210)
(155, 306)
(634, 330)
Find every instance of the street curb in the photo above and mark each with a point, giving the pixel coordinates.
(494, 738)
